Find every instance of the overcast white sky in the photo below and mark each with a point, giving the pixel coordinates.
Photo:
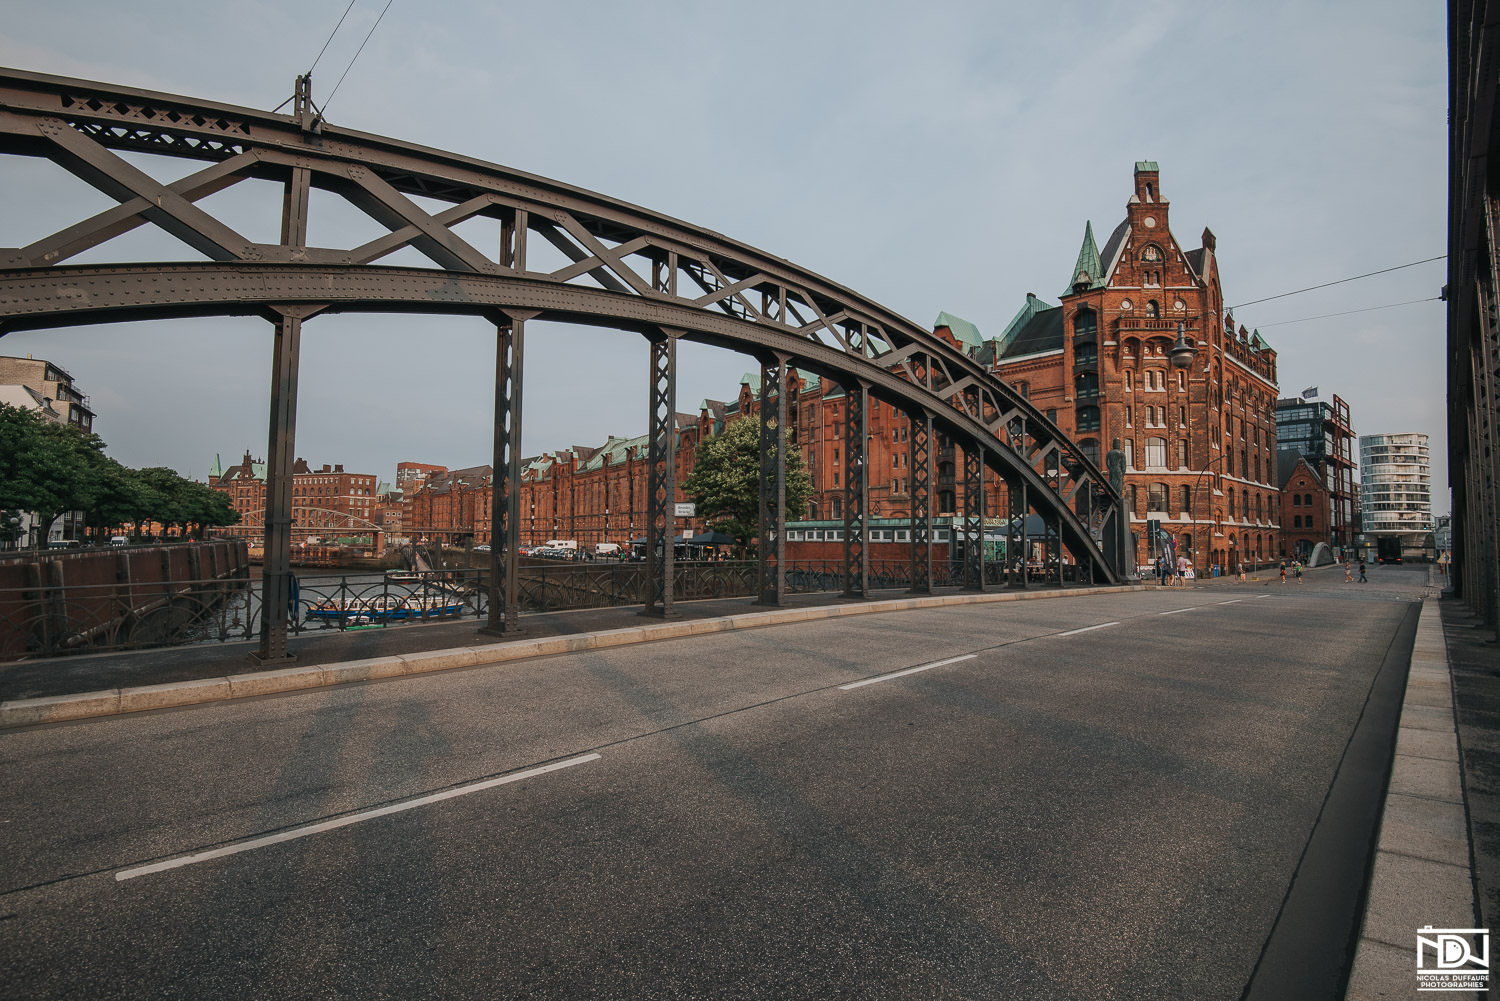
(934, 156)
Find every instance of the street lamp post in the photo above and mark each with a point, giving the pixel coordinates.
(1181, 355)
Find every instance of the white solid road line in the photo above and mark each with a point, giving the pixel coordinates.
(1231, 601)
(1176, 610)
(354, 818)
(909, 670)
(1075, 632)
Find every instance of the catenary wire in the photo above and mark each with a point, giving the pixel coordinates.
(335, 31)
(356, 55)
(1341, 281)
(1348, 312)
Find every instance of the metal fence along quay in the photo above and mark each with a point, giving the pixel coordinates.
(41, 620)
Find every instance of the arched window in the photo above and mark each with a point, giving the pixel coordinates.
(1296, 500)
(1187, 498)
(1085, 324)
(1307, 499)
(1153, 309)
(1296, 521)
(1156, 499)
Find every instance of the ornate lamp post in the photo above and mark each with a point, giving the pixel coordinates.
(1181, 354)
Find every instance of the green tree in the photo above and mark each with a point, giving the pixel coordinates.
(45, 467)
(117, 497)
(725, 482)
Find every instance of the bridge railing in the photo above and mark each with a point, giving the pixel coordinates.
(41, 621)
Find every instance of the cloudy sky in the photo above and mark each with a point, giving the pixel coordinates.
(934, 156)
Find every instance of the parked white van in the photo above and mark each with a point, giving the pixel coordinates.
(606, 549)
(567, 544)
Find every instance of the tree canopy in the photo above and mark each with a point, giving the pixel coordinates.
(48, 468)
(725, 481)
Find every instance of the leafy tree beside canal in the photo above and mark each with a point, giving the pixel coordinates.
(48, 468)
(725, 481)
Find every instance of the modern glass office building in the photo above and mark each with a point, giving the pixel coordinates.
(1395, 483)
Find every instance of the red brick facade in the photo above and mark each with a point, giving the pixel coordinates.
(1306, 503)
(1199, 442)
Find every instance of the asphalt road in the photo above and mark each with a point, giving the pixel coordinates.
(1115, 813)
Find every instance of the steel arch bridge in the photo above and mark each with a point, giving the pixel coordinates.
(624, 267)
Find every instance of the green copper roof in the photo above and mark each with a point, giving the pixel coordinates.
(968, 335)
(1020, 320)
(1257, 342)
(217, 470)
(1146, 165)
(1089, 268)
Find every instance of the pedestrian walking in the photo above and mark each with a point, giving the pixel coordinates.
(1362, 578)
(1348, 571)
(1283, 571)
(1297, 569)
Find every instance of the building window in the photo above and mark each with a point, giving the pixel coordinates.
(1088, 418)
(1156, 454)
(1296, 521)
(1181, 454)
(1156, 499)
(1153, 310)
(1129, 453)
(1085, 324)
(1296, 500)
(1187, 498)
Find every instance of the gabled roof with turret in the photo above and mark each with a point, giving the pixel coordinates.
(1088, 270)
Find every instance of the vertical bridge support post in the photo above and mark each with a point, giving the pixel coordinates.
(973, 523)
(277, 611)
(661, 476)
(919, 443)
(505, 478)
(856, 491)
(770, 565)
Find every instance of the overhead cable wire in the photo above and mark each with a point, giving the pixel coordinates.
(356, 55)
(1341, 281)
(1348, 312)
(335, 31)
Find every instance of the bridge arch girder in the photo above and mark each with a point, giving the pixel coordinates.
(612, 263)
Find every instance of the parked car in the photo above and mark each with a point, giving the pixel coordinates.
(481, 549)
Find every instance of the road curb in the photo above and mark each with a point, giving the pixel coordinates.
(118, 701)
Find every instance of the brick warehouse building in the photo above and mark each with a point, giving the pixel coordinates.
(1199, 442)
(326, 501)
